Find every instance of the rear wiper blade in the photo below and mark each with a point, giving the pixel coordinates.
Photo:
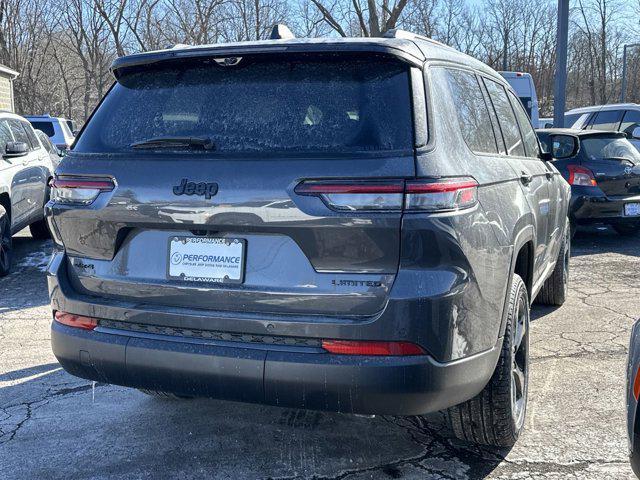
(172, 142)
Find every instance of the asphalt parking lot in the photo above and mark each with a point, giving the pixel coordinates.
(53, 425)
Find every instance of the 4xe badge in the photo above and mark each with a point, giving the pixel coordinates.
(208, 189)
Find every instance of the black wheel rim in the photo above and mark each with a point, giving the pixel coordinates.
(520, 362)
(5, 243)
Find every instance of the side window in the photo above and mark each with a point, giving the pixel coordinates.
(19, 133)
(48, 146)
(470, 107)
(630, 121)
(506, 118)
(606, 120)
(528, 135)
(576, 119)
(33, 140)
(5, 135)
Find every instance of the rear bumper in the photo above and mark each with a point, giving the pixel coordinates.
(294, 377)
(591, 205)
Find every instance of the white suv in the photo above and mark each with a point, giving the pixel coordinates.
(616, 117)
(56, 128)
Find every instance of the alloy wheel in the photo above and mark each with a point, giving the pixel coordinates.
(520, 362)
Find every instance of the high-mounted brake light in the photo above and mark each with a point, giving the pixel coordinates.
(75, 321)
(349, 347)
(432, 195)
(79, 190)
(581, 176)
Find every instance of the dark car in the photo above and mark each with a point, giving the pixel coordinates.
(603, 169)
(353, 225)
(633, 397)
(25, 169)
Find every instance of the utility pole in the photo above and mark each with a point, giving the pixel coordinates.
(560, 86)
(623, 87)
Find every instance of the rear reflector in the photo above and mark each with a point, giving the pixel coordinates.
(581, 176)
(432, 195)
(347, 347)
(79, 190)
(76, 321)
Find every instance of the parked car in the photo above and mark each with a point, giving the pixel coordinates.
(416, 234)
(603, 169)
(545, 122)
(56, 128)
(54, 154)
(524, 87)
(25, 169)
(617, 117)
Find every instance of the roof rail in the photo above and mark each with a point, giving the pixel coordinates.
(399, 33)
(177, 46)
(281, 32)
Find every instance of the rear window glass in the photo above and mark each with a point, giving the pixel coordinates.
(599, 148)
(46, 127)
(328, 105)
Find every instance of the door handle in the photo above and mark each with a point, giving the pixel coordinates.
(549, 174)
(525, 178)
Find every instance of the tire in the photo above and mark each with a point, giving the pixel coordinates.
(555, 288)
(5, 243)
(496, 415)
(40, 230)
(626, 230)
(163, 395)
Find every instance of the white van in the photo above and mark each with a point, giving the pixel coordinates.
(523, 85)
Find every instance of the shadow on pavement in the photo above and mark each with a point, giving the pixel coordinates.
(590, 241)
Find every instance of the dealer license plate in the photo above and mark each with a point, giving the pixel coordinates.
(207, 259)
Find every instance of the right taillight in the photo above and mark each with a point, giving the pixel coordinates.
(431, 195)
(581, 176)
(75, 321)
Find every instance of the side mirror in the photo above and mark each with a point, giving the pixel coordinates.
(636, 132)
(15, 149)
(564, 146)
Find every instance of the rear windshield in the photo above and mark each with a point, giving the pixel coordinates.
(598, 148)
(46, 127)
(306, 105)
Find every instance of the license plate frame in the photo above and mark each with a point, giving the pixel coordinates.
(201, 255)
(632, 209)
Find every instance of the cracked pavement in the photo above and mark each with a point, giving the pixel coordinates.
(53, 425)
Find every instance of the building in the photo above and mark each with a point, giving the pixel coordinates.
(7, 76)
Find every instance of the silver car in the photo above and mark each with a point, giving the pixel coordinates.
(25, 169)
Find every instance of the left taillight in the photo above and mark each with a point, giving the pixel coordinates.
(431, 195)
(75, 321)
(79, 190)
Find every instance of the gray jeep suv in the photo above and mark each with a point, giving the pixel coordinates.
(353, 225)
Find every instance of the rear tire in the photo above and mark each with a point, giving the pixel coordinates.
(496, 415)
(5, 243)
(626, 230)
(40, 230)
(555, 288)
(163, 395)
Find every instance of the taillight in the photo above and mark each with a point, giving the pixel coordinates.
(79, 190)
(76, 321)
(581, 176)
(349, 347)
(439, 195)
(636, 385)
(393, 195)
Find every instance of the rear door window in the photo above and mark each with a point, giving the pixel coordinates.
(328, 104)
(470, 107)
(608, 120)
(528, 135)
(506, 118)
